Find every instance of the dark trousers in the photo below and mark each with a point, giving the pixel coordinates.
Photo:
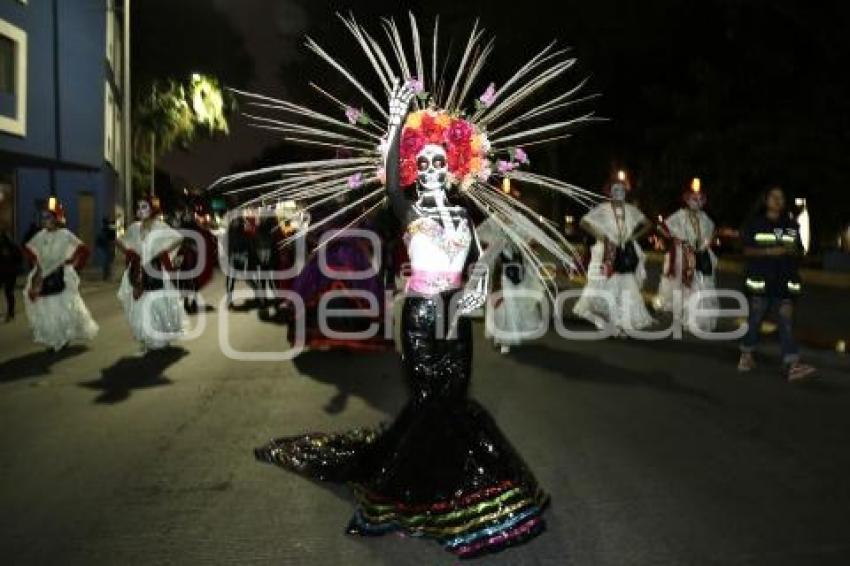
(759, 308)
(8, 281)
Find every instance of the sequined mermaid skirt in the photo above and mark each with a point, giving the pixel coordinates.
(442, 469)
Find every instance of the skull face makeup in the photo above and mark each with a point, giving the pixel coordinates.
(143, 210)
(48, 220)
(433, 168)
(694, 202)
(618, 192)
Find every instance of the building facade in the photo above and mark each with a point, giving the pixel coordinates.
(61, 83)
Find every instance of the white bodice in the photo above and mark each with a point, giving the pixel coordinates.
(437, 253)
(697, 231)
(53, 248)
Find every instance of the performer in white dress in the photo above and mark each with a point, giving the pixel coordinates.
(617, 269)
(690, 263)
(150, 299)
(518, 313)
(54, 307)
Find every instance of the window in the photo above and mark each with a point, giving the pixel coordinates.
(110, 34)
(108, 124)
(114, 47)
(13, 79)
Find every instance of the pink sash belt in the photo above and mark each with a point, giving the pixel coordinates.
(430, 282)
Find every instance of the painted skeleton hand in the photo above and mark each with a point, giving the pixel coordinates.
(400, 99)
(475, 293)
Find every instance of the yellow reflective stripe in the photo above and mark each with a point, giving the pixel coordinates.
(764, 237)
(755, 284)
(794, 287)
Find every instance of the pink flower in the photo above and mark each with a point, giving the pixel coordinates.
(416, 84)
(459, 132)
(489, 95)
(504, 166)
(353, 114)
(485, 173)
(521, 156)
(355, 181)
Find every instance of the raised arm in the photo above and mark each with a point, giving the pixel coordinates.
(399, 103)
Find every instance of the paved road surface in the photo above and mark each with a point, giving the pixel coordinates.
(653, 453)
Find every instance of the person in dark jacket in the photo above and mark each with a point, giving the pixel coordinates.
(773, 248)
(10, 267)
(106, 245)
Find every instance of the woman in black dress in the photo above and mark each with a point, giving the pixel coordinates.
(443, 469)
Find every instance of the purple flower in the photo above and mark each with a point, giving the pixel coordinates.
(416, 84)
(489, 95)
(353, 114)
(355, 181)
(521, 156)
(504, 167)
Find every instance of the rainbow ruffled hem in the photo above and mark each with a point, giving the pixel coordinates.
(468, 525)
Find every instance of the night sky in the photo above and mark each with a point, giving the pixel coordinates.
(740, 93)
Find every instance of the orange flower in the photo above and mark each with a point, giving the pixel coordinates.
(414, 120)
(443, 120)
(476, 143)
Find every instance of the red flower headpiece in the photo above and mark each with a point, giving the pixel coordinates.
(466, 147)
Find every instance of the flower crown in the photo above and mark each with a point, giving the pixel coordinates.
(468, 149)
(466, 146)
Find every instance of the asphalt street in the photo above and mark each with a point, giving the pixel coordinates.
(653, 452)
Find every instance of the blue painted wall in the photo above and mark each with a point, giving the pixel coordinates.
(80, 165)
(35, 19)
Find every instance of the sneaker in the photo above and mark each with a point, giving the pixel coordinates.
(505, 350)
(799, 372)
(747, 363)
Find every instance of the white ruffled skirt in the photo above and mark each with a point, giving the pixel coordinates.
(675, 298)
(156, 319)
(57, 320)
(518, 315)
(614, 300)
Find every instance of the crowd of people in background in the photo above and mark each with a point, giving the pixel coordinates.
(166, 270)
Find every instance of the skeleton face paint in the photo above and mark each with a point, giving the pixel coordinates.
(433, 168)
(694, 203)
(143, 210)
(618, 192)
(48, 221)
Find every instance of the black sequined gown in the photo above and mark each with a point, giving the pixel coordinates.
(442, 469)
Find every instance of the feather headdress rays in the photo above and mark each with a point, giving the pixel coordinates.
(509, 119)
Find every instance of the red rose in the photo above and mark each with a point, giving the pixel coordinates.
(408, 172)
(412, 142)
(460, 132)
(431, 130)
(459, 157)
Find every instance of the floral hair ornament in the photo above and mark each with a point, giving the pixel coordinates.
(54, 208)
(466, 146)
(695, 193)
